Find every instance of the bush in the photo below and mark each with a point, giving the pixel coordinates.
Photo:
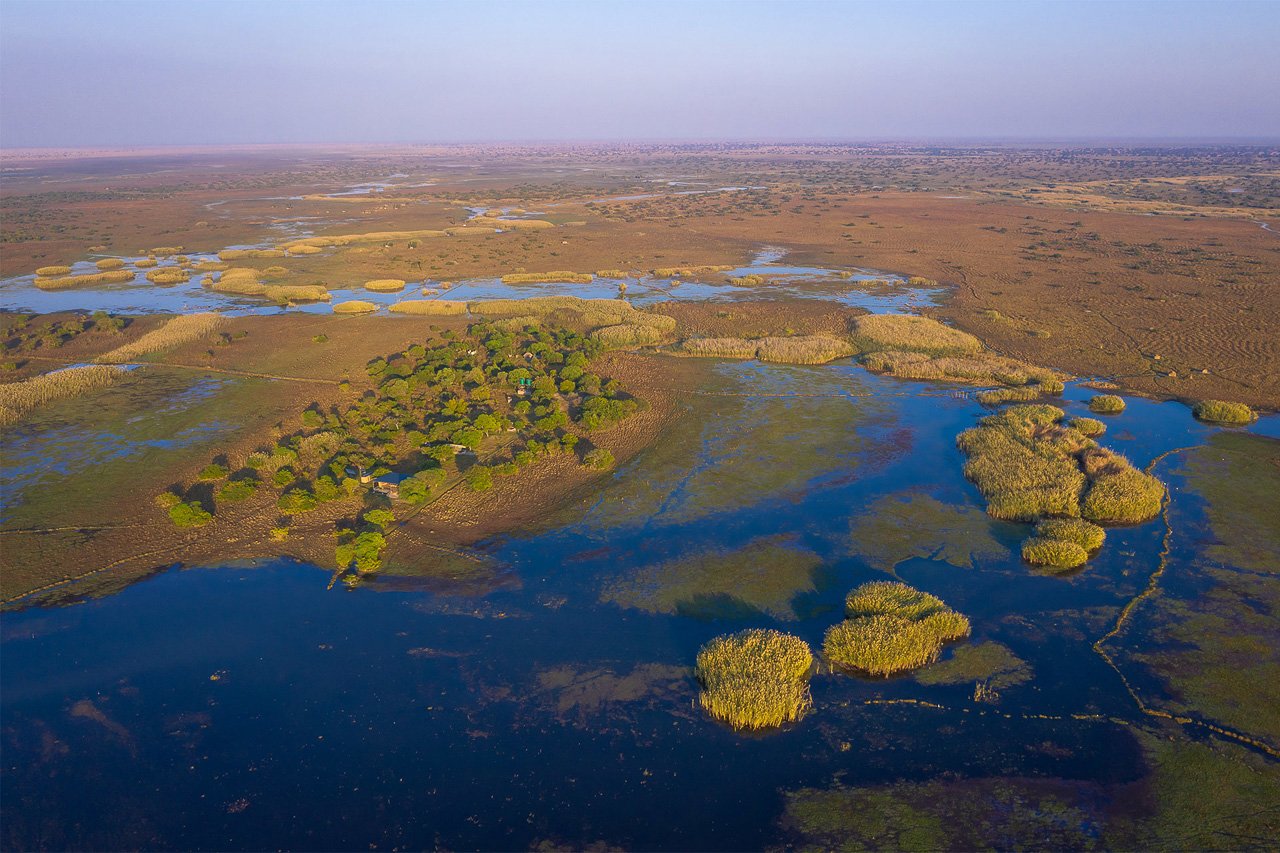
(479, 478)
(283, 477)
(892, 628)
(238, 490)
(1220, 412)
(1055, 553)
(213, 472)
(1106, 404)
(755, 679)
(300, 501)
(365, 551)
(189, 514)
(598, 458)
(379, 517)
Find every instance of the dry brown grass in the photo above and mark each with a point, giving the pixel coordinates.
(240, 254)
(180, 330)
(18, 398)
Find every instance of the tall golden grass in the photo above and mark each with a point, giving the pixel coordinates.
(511, 224)
(627, 335)
(168, 275)
(243, 280)
(165, 251)
(676, 272)
(109, 277)
(238, 254)
(146, 263)
(347, 239)
(52, 272)
(182, 329)
(355, 306)
(755, 679)
(545, 305)
(429, 307)
(563, 276)
(110, 264)
(800, 349)
(212, 266)
(304, 250)
(296, 293)
(891, 627)
(1221, 412)
(908, 332)
(983, 367)
(613, 274)
(385, 285)
(18, 398)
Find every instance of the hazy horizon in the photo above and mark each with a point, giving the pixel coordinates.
(77, 74)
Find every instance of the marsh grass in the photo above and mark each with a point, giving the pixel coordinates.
(906, 332)
(799, 349)
(1054, 553)
(168, 275)
(146, 263)
(1106, 404)
(1221, 412)
(1088, 426)
(296, 293)
(430, 307)
(305, 245)
(52, 272)
(890, 628)
(18, 398)
(755, 679)
(627, 335)
(242, 280)
(613, 274)
(1127, 496)
(239, 254)
(355, 306)
(546, 304)
(1009, 395)
(211, 266)
(677, 272)
(385, 285)
(180, 330)
(1075, 530)
(721, 347)
(110, 264)
(562, 276)
(978, 368)
(108, 277)
(305, 250)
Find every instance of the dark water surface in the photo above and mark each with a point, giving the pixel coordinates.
(251, 707)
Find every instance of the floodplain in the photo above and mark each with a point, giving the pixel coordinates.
(502, 576)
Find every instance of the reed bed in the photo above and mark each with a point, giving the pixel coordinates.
(978, 368)
(890, 628)
(1009, 395)
(110, 264)
(1088, 426)
(1124, 496)
(755, 679)
(677, 272)
(429, 307)
(546, 304)
(348, 239)
(168, 275)
(146, 263)
(242, 280)
(211, 266)
(18, 398)
(803, 349)
(385, 285)
(305, 250)
(516, 324)
(906, 332)
(182, 329)
(627, 335)
(241, 254)
(1053, 553)
(164, 251)
(1075, 530)
(295, 293)
(560, 276)
(512, 224)
(613, 274)
(721, 347)
(355, 306)
(66, 282)
(1106, 404)
(470, 231)
(1221, 412)
(52, 272)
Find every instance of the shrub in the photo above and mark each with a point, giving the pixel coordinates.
(598, 458)
(365, 551)
(908, 332)
(279, 534)
(755, 679)
(1055, 553)
(355, 306)
(189, 514)
(433, 307)
(292, 503)
(1106, 404)
(1220, 412)
(1075, 530)
(417, 488)
(1088, 426)
(167, 500)
(892, 628)
(385, 285)
(479, 478)
(380, 517)
(283, 477)
(238, 490)
(213, 472)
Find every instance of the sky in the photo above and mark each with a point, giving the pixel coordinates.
(182, 72)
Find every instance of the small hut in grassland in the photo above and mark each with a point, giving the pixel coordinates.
(389, 485)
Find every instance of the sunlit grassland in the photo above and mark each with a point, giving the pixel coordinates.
(1075, 530)
(1221, 412)
(982, 367)
(180, 330)
(385, 285)
(755, 679)
(18, 398)
(66, 282)
(798, 349)
(627, 335)
(560, 276)
(890, 628)
(906, 332)
(355, 306)
(240, 254)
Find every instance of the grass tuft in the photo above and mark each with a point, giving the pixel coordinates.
(385, 285)
(109, 277)
(1054, 553)
(891, 627)
(52, 272)
(1075, 530)
(564, 276)
(1221, 412)
(1106, 404)
(755, 679)
(1091, 427)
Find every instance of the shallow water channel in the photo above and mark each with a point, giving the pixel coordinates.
(251, 707)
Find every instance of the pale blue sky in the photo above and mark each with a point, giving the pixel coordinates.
(186, 71)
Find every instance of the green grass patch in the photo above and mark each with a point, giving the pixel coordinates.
(1106, 404)
(1091, 427)
(1221, 412)
(755, 679)
(1053, 553)
(1076, 530)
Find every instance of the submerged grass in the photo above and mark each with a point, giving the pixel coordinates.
(890, 628)
(180, 330)
(18, 398)
(755, 679)
(1221, 412)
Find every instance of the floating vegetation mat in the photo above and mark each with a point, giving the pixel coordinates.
(904, 525)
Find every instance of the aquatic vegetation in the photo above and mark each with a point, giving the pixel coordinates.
(296, 293)
(627, 335)
(800, 349)
(1054, 553)
(18, 398)
(189, 514)
(52, 272)
(242, 280)
(891, 627)
(982, 367)
(1090, 427)
(545, 305)
(755, 679)
(355, 306)
(1088, 536)
(990, 663)
(109, 277)
(676, 272)
(1124, 496)
(1220, 412)
(763, 576)
(168, 275)
(146, 263)
(304, 246)
(613, 274)
(239, 254)
(182, 329)
(433, 307)
(304, 250)
(385, 285)
(211, 266)
(565, 276)
(1238, 475)
(1106, 404)
(110, 264)
(907, 332)
(901, 526)
(1024, 394)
